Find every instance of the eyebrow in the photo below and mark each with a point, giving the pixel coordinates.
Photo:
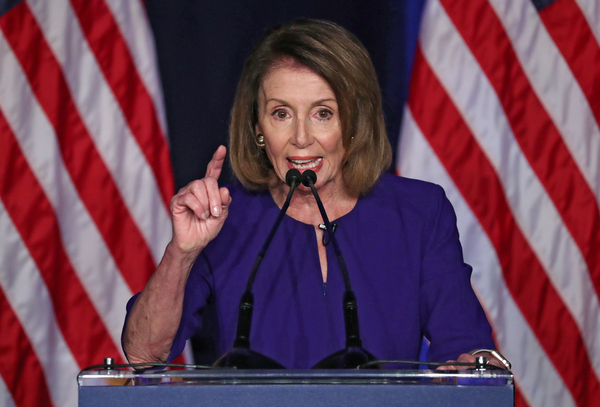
(316, 103)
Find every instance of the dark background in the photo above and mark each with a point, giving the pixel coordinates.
(202, 46)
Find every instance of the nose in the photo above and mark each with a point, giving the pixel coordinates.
(302, 136)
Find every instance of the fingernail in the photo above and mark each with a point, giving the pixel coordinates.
(205, 215)
(216, 211)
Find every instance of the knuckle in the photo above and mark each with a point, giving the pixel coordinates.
(211, 183)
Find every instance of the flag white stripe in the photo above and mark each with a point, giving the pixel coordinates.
(591, 11)
(133, 22)
(554, 83)
(20, 280)
(82, 241)
(5, 397)
(112, 137)
(514, 336)
(27, 293)
(533, 210)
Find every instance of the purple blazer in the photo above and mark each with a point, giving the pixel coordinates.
(404, 258)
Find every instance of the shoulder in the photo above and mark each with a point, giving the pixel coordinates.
(419, 205)
(238, 190)
(246, 201)
(248, 211)
(407, 192)
(400, 184)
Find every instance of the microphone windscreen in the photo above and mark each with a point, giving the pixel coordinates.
(309, 175)
(292, 175)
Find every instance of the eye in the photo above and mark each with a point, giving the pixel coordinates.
(280, 114)
(324, 114)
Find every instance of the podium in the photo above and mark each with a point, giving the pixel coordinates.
(314, 388)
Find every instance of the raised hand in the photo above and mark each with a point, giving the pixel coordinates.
(199, 209)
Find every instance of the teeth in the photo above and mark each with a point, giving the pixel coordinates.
(305, 164)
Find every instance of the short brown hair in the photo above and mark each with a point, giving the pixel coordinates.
(338, 57)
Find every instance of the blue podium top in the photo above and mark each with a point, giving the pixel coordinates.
(226, 387)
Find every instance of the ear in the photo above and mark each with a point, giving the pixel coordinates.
(257, 129)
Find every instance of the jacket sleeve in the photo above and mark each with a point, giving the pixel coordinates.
(451, 315)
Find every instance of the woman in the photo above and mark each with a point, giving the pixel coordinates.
(308, 99)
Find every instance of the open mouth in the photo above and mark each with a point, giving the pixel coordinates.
(306, 164)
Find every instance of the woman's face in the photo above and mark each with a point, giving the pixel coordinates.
(299, 119)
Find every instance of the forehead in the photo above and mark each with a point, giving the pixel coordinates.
(294, 80)
(285, 62)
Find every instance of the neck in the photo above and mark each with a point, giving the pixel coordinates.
(303, 207)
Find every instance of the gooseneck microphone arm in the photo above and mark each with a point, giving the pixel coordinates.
(242, 357)
(309, 178)
(293, 179)
(242, 337)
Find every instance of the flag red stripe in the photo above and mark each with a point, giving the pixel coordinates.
(20, 367)
(119, 69)
(519, 399)
(525, 277)
(533, 129)
(92, 179)
(573, 36)
(36, 222)
(180, 360)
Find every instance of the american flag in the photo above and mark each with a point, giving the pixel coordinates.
(85, 183)
(504, 113)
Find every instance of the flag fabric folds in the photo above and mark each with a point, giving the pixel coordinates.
(504, 113)
(85, 183)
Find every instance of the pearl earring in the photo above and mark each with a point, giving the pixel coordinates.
(260, 141)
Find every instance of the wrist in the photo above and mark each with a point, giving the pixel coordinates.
(180, 256)
(175, 267)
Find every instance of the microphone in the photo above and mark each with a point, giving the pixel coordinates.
(353, 354)
(309, 177)
(241, 356)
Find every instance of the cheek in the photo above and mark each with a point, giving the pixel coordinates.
(274, 151)
(335, 144)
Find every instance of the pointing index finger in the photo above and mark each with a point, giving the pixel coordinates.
(214, 167)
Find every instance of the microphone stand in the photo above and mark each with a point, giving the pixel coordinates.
(241, 356)
(353, 354)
